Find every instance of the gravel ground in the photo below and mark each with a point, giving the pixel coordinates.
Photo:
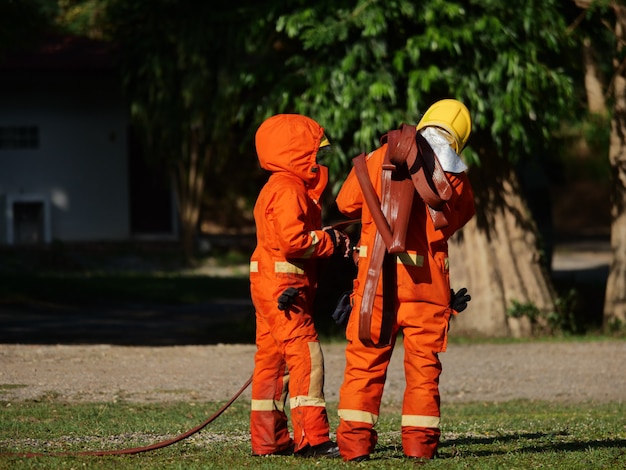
(557, 371)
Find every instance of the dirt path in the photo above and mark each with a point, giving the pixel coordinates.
(560, 371)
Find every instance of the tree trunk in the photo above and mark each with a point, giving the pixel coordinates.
(190, 174)
(593, 80)
(615, 300)
(497, 258)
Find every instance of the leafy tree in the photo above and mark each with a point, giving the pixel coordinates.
(373, 64)
(613, 14)
(598, 18)
(181, 62)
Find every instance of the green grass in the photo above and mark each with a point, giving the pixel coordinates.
(115, 274)
(510, 435)
(115, 288)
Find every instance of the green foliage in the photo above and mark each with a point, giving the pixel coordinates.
(372, 65)
(616, 326)
(591, 163)
(81, 17)
(512, 435)
(562, 320)
(597, 133)
(523, 309)
(177, 65)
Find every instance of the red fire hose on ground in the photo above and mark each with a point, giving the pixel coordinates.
(137, 450)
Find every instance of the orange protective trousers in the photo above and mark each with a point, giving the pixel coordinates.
(288, 363)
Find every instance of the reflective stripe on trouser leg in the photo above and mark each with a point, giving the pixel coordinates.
(421, 403)
(361, 392)
(306, 391)
(356, 435)
(268, 422)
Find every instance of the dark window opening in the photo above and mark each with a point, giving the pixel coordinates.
(151, 204)
(19, 137)
(28, 223)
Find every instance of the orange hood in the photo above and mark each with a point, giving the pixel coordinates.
(289, 142)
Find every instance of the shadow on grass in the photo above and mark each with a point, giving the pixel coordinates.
(229, 321)
(225, 321)
(537, 443)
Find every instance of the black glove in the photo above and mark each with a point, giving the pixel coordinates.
(343, 309)
(459, 300)
(287, 298)
(341, 241)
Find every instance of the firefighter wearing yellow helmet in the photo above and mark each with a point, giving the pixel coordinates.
(421, 299)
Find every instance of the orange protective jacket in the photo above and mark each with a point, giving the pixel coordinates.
(287, 214)
(288, 211)
(422, 273)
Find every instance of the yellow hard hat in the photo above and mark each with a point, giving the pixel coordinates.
(452, 116)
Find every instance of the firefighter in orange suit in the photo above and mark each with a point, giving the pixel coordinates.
(283, 281)
(422, 298)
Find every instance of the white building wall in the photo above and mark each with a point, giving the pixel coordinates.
(81, 163)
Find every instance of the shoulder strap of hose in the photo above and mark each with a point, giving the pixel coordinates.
(391, 218)
(406, 150)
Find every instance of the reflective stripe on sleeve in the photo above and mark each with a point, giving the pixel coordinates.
(358, 415)
(287, 267)
(420, 421)
(284, 267)
(314, 241)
